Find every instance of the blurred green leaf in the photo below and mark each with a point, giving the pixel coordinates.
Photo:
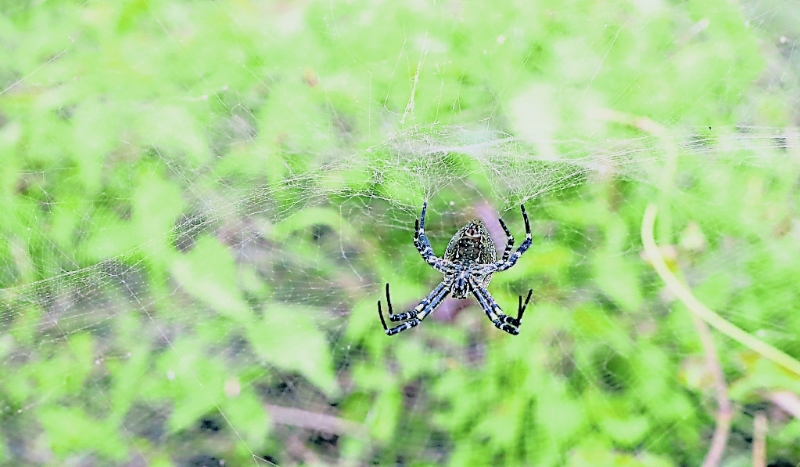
(246, 412)
(208, 273)
(157, 205)
(627, 431)
(386, 414)
(193, 384)
(289, 338)
(70, 431)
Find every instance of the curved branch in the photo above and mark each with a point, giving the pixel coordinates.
(697, 308)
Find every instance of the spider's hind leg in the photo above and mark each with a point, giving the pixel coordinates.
(392, 331)
(414, 317)
(432, 298)
(397, 329)
(520, 311)
(495, 314)
(392, 316)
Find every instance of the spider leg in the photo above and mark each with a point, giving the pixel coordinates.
(493, 311)
(521, 307)
(509, 241)
(507, 262)
(420, 312)
(418, 309)
(424, 245)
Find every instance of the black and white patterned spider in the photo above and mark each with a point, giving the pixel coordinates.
(468, 264)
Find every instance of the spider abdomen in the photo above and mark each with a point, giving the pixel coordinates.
(471, 244)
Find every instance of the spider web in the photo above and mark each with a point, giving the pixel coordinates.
(202, 202)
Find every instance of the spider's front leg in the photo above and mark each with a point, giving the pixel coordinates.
(509, 241)
(508, 261)
(414, 317)
(423, 245)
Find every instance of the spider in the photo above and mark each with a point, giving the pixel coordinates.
(468, 264)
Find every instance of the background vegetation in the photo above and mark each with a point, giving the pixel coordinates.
(200, 203)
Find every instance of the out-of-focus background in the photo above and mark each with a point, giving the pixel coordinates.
(201, 202)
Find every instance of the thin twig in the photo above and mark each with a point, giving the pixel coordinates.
(788, 401)
(722, 428)
(760, 440)
(313, 420)
(706, 314)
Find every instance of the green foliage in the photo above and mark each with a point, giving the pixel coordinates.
(200, 202)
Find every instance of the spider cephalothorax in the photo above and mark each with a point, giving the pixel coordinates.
(468, 264)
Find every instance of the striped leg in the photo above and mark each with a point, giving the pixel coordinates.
(414, 317)
(491, 309)
(509, 241)
(495, 314)
(508, 261)
(424, 245)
